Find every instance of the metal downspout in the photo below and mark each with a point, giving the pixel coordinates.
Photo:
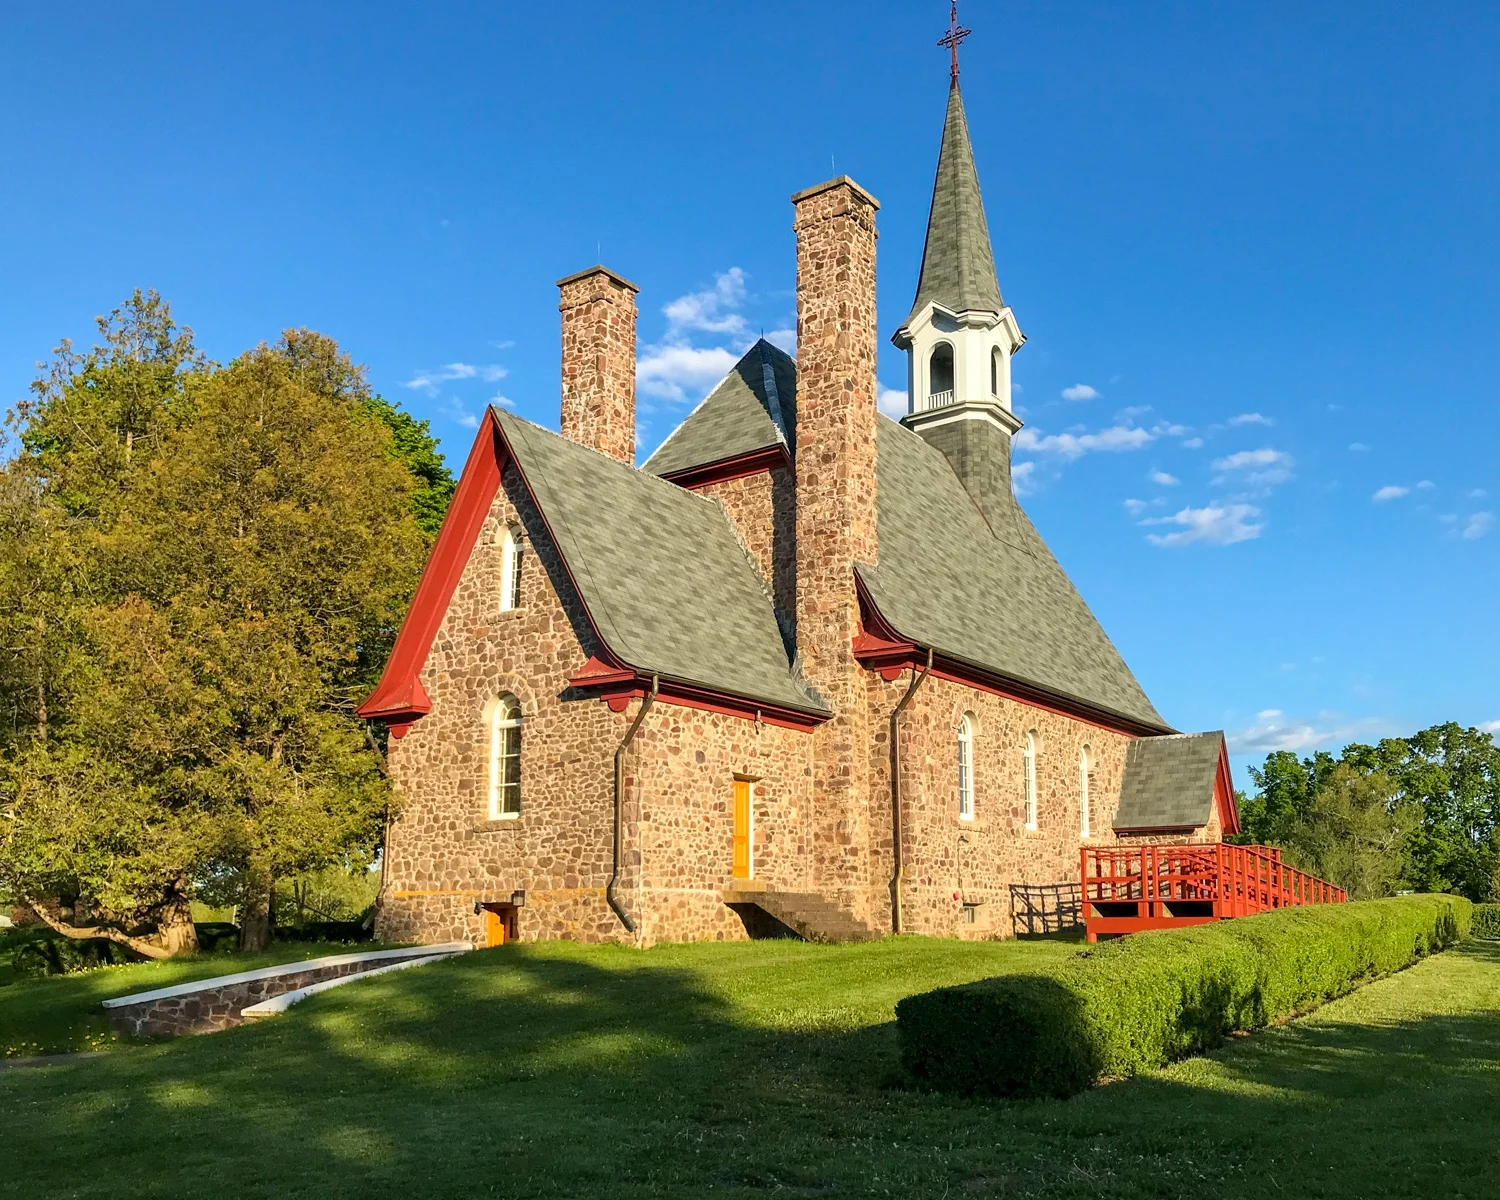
(897, 830)
(609, 890)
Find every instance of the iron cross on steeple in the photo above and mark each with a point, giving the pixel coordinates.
(956, 34)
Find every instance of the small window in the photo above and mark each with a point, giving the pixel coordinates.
(505, 758)
(966, 768)
(511, 551)
(971, 914)
(1085, 765)
(1030, 764)
(995, 371)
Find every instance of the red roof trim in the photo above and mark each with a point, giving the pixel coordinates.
(1229, 813)
(767, 458)
(399, 698)
(617, 688)
(880, 648)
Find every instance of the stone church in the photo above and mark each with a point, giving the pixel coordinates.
(807, 671)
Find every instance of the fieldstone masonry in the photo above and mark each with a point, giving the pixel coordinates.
(598, 361)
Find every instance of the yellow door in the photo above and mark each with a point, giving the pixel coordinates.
(494, 928)
(742, 822)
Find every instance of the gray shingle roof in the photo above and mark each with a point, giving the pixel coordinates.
(754, 407)
(958, 265)
(989, 594)
(1169, 781)
(668, 585)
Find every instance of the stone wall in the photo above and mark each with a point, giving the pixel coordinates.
(210, 1009)
(953, 862)
(763, 509)
(445, 853)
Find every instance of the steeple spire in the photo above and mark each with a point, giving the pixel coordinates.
(953, 39)
(958, 266)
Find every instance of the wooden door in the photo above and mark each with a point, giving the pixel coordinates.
(744, 820)
(499, 924)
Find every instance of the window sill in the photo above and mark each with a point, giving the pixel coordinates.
(496, 825)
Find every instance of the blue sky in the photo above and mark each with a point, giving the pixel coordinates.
(1253, 247)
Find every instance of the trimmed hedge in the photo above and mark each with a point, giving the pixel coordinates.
(1486, 921)
(1139, 1002)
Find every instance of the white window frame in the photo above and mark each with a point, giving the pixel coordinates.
(512, 551)
(504, 720)
(1028, 761)
(966, 768)
(1085, 763)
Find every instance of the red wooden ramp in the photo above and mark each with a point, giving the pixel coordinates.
(1130, 888)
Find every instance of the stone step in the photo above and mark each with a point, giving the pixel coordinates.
(808, 915)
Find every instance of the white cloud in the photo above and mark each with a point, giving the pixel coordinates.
(1193, 443)
(1135, 410)
(1254, 418)
(1478, 525)
(1080, 391)
(1358, 447)
(1215, 524)
(1263, 468)
(1020, 476)
(1489, 727)
(1136, 507)
(1476, 493)
(1075, 445)
(1163, 479)
(1391, 491)
(1274, 730)
(1425, 483)
(890, 401)
(430, 381)
(714, 310)
(671, 372)
(1167, 429)
(502, 401)
(468, 420)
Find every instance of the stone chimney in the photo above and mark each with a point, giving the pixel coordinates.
(598, 361)
(835, 465)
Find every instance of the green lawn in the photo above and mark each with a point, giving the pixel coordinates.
(60, 1014)
(746, 1070)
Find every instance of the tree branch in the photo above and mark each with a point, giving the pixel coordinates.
(82, 933)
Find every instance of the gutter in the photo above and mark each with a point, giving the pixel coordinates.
(896, 827)
(609, 890)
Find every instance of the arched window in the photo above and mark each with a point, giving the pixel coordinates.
(995, 371)
(940, 376)
(1085, 765)
(511, 548)
(505, 758)
(966, 768)
(1029, 759)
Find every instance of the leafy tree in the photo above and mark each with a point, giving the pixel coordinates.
(235, 547)
(1355, 832)
(1454, 774)
(1444, 793)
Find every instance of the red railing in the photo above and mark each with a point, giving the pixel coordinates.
(1130, 888)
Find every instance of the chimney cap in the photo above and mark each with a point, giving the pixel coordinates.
(829, 185)
(597, 270)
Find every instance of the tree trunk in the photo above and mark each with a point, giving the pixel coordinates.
(255, 911)
(87, 932)
(175, 930)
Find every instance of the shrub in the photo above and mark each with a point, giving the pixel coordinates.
(325, 931)
(1137, 1003)
(1486, 921)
